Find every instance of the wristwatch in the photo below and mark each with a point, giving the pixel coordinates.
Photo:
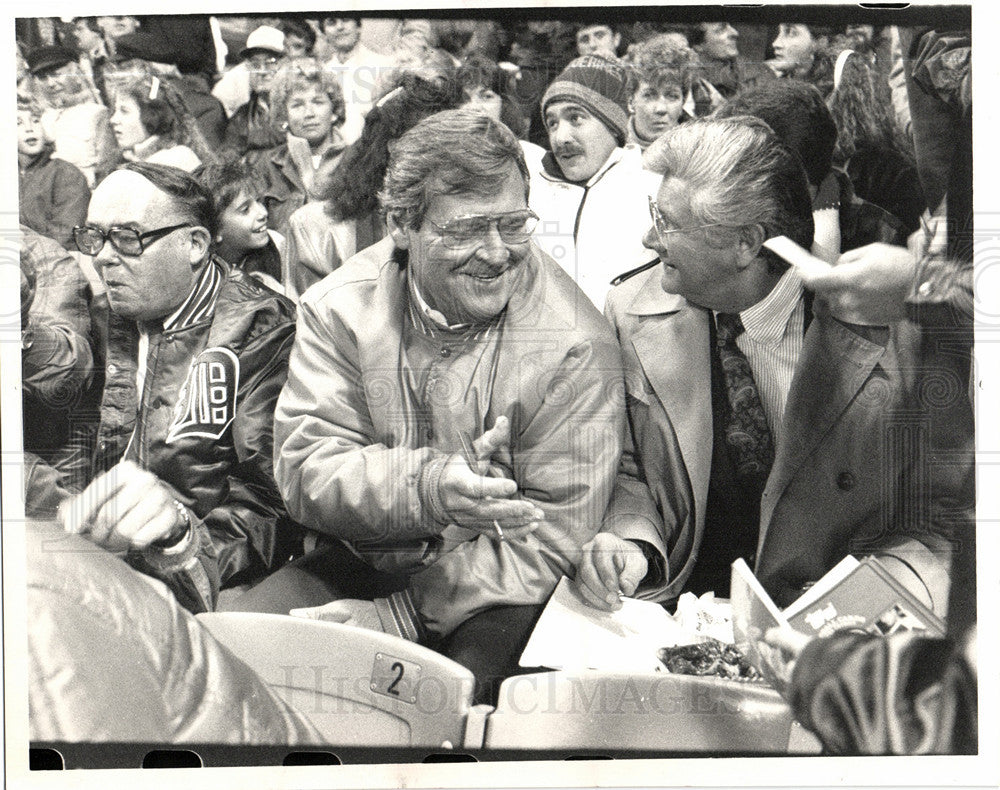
(179, 532)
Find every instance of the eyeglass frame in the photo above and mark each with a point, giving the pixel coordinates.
(154, 235)
(658, 220)
(494, 220)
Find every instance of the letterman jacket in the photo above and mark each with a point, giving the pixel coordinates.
(213, 373)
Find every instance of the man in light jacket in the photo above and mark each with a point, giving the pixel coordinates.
(451, 423)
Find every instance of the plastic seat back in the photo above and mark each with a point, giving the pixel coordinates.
(358, 687)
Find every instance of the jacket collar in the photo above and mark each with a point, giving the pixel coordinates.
(40, 158)
(199, 306)
(552, 172)
(651, 299)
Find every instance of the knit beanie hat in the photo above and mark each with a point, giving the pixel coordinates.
(598, 84)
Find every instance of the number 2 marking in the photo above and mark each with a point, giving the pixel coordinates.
(397, 667)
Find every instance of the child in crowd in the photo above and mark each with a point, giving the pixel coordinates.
(53, 193)
(152, 124)
(242, 237)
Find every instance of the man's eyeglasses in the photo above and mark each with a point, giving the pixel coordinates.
(660, 223)
(127, 241)
(514, 227)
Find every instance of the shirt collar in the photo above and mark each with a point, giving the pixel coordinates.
(435, 317)
(200, 303)
(765, 322)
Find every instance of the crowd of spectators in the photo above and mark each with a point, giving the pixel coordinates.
(447, 206)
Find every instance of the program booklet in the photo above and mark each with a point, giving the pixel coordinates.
(859, 595)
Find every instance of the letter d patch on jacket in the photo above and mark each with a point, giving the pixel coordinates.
(207, 401)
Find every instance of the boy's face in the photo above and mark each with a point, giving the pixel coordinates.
(243, 225)
(296, 46)
(30, 140)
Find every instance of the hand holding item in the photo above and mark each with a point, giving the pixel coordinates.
(610, 566)
(127, 508)
(474, 499)
(779, 650)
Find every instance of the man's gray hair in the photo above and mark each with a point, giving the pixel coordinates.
(451, 152)
(738, 173)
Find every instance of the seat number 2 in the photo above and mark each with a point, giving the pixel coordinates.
(394, 677)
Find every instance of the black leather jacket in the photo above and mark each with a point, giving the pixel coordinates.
(214, 371)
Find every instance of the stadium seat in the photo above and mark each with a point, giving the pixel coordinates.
(641, 712)
(358, 687)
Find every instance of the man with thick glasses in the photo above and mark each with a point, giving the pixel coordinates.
(180, 476)
(451, 422)
(762, 426)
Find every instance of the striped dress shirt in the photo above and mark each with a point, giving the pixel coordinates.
(772, 344)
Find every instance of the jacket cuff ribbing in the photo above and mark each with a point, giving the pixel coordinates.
(429, 489)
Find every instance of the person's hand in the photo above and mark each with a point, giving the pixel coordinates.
(609, 564)
(348, 611)
(779, 650)
(124, 508)
(868, 285)
(473, 499)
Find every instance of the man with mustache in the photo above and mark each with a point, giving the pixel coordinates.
(179, 477)
(451, 423)
(591, 191)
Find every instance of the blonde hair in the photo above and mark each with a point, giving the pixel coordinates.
(296, 74)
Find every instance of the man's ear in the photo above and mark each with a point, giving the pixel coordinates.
(200, 241)
(400, 235)
(752, 238)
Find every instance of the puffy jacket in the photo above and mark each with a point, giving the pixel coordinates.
(113, 657)
(53, 197)
(594, 230)
(212, 378)
(355, 440)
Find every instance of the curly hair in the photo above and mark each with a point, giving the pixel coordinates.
(863, 114)
(351, 192)
(295, 74)
(660, 60)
